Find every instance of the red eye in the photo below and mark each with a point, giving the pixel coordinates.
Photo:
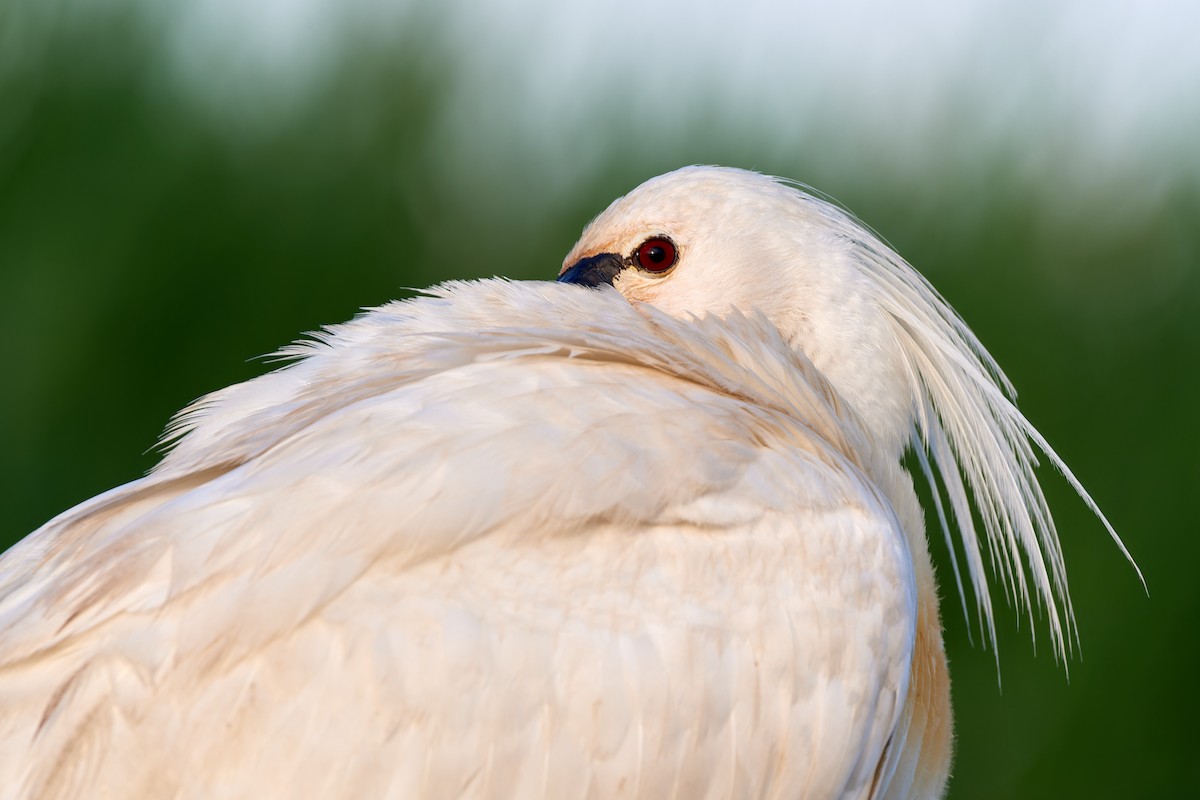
(656, 255)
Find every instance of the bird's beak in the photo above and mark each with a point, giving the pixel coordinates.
(593, 270)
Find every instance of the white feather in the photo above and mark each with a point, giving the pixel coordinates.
(449, 558)
(889, 343)
(536, 540)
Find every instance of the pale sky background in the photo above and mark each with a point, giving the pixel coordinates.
(1118, 81)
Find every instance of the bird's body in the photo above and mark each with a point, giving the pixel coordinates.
(525, 540)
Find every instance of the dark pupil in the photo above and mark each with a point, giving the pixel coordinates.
(656, 254)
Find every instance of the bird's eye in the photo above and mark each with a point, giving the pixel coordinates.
(657, 254)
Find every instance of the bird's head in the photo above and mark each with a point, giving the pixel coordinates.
(707, 240)
(711, 240)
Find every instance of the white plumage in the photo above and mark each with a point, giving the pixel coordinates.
(540, 540)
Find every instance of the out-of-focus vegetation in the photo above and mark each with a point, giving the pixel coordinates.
(149, 248)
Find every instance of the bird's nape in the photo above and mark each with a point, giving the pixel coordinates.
(967, 427)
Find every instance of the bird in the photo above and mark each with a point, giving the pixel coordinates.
(642, 531)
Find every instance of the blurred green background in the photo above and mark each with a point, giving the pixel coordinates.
(186, 186)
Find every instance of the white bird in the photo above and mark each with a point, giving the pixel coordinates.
(648, 539)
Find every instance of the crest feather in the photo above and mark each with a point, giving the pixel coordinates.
(975, 448)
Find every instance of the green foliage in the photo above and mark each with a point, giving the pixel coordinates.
(150, 245)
